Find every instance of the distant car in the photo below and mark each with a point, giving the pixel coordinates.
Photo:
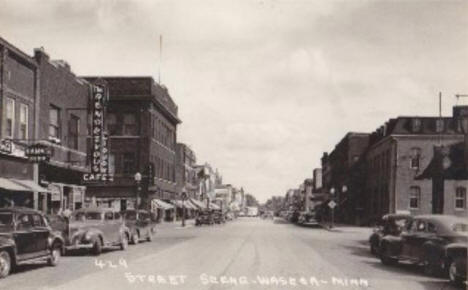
(425, 241)
(307, 218)
(204, 217)
(229, 216)
(26, 237)
(96, 228)
(455, 257)
(139, 224)
(218, 217)
(391, 224)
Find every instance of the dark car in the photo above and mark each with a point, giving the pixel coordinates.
(140, 225)
(94, 229)
(425, 241)
(218, 217)
(456, 256)
(307, 218)
(204, 218)
(26, 237)
(390, 224)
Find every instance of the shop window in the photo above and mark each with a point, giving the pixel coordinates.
(129, 125)
(415, 158)
(460, 198)
(54, 122)
(73, 131)
(414, 197)
(128, 163)
(9, 117)
(23, 121)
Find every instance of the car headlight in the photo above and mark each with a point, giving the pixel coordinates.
(88, 236)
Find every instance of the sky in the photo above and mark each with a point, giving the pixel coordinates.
(263, 87)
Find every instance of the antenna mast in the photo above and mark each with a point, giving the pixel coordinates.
(160, 58)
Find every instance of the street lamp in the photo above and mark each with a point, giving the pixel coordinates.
(332, 205)
(137, 178)
(184, 197)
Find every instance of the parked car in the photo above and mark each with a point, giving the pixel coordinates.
(26, 237)
(204, 217)
(425, 241)
(139, 224)
(218, 217)
(307, 218)
(94, 229)
(455, 257)
(390, 224)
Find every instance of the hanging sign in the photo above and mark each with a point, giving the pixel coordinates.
(38, 153)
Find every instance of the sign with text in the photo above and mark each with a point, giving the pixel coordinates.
(38, 153)
(99, 138)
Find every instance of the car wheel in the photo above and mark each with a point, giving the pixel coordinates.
(452, 273)
(97, 247)
(385, 257)
(5, 264)
(55, 254)
(373, 249)
(124, 242)
(135, 238)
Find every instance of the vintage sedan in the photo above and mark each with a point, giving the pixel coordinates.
(26, 237)
(204, 217)
(456, 256)
(140, 225)
(391, 224)
(424, 241)
(95, 229)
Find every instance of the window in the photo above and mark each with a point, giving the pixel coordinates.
(111, 121)
(73, 131)
(37, 221)
(416, 125)
(54, 122)
(23, 121)
(24, 222)
(460, 198)
(439, 125)
(129, 125)
(415, 158)
(108, 216)
(415, 196)
(128, 163)
(9, 117)
(431, 228)
(111, 163)
(421, 226)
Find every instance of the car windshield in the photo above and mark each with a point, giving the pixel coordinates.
(130, 215)
(82, 216)
(462, 228)
(6, 221)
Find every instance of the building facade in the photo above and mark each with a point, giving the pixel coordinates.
(141, 120)
(186, 173)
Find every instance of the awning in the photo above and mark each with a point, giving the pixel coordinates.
(214, 206)
(31, 185)
(161, 204)
(181, 204)
(197, 203)
(10, 185)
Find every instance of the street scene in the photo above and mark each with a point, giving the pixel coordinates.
(257, 144)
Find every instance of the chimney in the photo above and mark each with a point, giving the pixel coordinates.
(40, 55)
(460, 116)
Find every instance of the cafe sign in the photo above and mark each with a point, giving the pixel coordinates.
(99, 138)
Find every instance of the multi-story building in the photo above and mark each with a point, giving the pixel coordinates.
(186, 173)
(19, 102)
(62, 127)
(141, 120)
(405, 159)
(343, 176)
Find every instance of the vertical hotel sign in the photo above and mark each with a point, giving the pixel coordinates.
(99, 138)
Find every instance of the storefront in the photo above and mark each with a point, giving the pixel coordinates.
(165, 211)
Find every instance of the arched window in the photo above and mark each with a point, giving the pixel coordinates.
(414, 197)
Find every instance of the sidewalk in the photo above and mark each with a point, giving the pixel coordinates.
(345, 228)
(175, 225)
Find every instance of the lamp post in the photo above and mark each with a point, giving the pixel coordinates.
(184, 197)
(137, 178)
(332, 205)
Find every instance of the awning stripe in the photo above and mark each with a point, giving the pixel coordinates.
(10, 185)
(31, 185)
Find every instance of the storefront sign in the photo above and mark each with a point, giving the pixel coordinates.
(100, 139)
(6, 146)
(38, 153)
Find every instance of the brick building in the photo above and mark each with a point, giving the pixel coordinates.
(400, 162)
(343, 170)
(186, 173)
(19, 98)
(141, 120)
(62, 127)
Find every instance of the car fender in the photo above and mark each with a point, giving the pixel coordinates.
(8, 244)
(392, 243)
(455, 250)
(94, 232)
(435, 252)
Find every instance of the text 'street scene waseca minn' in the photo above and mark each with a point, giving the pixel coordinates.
(233, 144)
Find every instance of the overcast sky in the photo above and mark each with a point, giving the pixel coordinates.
(264, 87)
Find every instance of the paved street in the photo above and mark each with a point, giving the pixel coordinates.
(248, 253)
